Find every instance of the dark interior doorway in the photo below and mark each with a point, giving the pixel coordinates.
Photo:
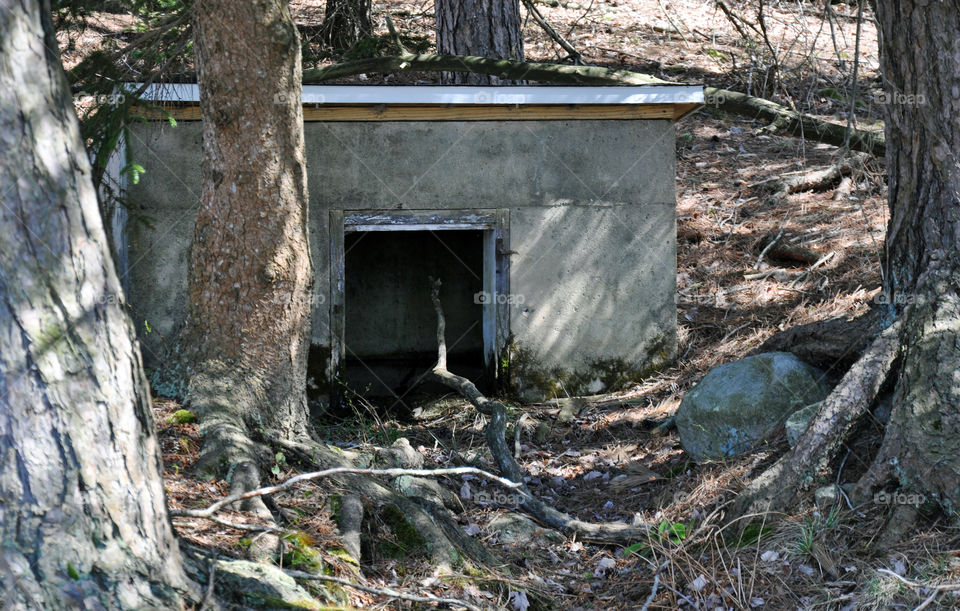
(390, 329)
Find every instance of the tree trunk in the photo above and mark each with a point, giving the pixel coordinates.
(345, 22)
(243, 348)
(83, 519)
(484, 28)
(921, 63)
(921, 445)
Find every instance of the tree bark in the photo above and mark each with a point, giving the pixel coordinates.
(345, 22)
(922, 268)
(243, 349)
(83, 519)
(921, 445)
(484, 28)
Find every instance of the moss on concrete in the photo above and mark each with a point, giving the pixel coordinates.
(527, 378)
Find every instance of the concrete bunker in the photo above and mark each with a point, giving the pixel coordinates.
(558, 201)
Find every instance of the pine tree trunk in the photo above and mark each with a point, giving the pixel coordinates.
(345, 22)
(243, 349)
(921, 446)
(921, 63)
(483, 28)
(83, 519)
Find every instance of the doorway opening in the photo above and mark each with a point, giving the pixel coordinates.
(383, 327)
(390, 330)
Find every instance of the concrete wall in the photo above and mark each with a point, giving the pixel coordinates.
(591, 223)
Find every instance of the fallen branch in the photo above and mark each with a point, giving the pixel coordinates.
(552, 33)
(780, 118)
(818, 180)
(781, 249)
(913, 584)
(504, 68)
(383, 591)
(495, 430)
(304, 477)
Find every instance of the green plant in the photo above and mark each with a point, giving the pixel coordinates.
(753, 533)
(182, 416)
(679, 469)
(280, 461)
(812, 527)
(667, 531)
(673, 532)
(300, 553)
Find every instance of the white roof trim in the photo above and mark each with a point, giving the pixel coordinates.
(443, 95)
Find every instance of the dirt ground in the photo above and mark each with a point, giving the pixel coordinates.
(610, 463)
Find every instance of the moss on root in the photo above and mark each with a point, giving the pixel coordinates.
(407, 541)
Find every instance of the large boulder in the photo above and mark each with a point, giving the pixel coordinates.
(737, 405)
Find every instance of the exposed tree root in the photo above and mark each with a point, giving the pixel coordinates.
(444, 541)
(922, 440)
(390, 592)
(495, 433)
(223, 404)
(833, 345)
(775, 489)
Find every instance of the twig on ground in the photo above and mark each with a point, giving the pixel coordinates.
(852, 116)
(768, 247)
(207, 602)
(913, 584)
(304, 477)
(653, 589)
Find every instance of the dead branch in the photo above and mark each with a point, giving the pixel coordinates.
(778, 248)
(552, 33)
(818, 180)
(390, 592)
(780, 118)
(304, 477)
(496, 439)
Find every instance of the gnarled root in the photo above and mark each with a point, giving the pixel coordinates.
(444, 540)
(833, 345)
(222, 402)
(775, 489)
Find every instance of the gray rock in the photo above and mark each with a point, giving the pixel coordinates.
(255, 585)
(828, 496)
(570, 408)
(798, 422)
(400, 455)
(515, 528)
(737, 405)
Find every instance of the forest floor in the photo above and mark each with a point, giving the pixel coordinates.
(609, 464)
